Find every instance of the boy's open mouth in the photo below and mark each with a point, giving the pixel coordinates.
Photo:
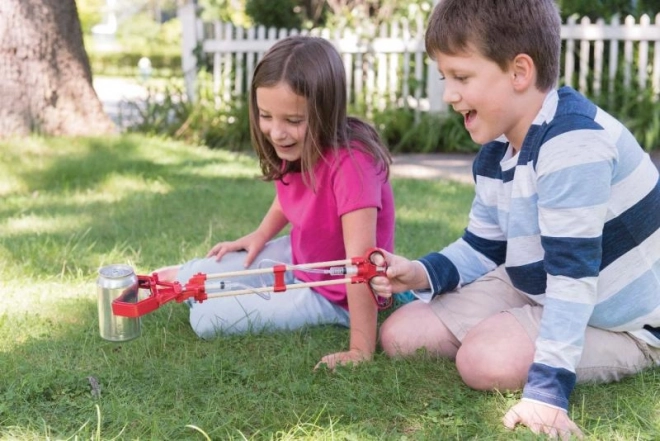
(469, 116)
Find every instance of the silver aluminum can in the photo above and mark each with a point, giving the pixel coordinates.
(117, 281)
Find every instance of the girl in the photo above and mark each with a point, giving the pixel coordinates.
(331, 179)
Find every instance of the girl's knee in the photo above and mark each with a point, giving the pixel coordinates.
(168, 273)
(203, 327)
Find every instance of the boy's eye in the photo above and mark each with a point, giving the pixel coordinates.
(458, 78)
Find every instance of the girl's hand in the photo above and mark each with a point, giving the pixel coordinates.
(402, 275)
(253, 243)
(353, 356)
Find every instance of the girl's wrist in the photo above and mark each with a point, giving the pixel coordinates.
(364, 354)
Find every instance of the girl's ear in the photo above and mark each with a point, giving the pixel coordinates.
(524, 72)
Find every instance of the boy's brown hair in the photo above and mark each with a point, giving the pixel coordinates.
(500, 30)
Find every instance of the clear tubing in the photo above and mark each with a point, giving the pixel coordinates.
(333, 270)
(218, 286)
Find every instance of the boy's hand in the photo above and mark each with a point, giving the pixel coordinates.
(402, 275)
(542, 419)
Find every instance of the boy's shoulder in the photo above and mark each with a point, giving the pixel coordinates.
(565, 112)
(572, 102)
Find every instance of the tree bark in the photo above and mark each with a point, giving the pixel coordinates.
(45, 76)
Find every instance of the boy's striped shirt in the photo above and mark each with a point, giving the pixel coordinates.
(575, 218)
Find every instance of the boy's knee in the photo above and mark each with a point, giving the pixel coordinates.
(399, 337)
(473, 368)
(389, 338)
(483, 367)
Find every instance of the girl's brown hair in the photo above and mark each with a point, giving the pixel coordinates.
(313, 69)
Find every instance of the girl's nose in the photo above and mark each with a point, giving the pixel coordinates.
(277, 131)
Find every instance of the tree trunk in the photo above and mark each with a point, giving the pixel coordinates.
(45, 77)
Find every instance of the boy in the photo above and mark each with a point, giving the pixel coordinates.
(556, 278)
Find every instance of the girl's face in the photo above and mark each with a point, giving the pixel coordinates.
(283, 120)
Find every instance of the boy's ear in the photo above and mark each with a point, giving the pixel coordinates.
(524, 72)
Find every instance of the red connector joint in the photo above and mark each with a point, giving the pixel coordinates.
(279, 285)
(194, 288)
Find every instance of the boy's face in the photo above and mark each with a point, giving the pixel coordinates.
(477, 88)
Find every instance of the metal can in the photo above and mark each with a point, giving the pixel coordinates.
(117, 281)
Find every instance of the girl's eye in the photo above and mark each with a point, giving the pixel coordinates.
(295, 121)
(460, 79)
(262, 116)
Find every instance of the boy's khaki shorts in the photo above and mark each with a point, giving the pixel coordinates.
(607, 356)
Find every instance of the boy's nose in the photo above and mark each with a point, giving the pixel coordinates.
(449, 95)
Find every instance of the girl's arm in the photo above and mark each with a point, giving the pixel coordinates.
(359, 236)
(273, 222)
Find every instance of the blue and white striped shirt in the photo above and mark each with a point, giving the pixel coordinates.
(575, 218)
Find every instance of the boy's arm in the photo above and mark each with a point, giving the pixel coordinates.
(481, 249)
(573, 194)
(483, 245)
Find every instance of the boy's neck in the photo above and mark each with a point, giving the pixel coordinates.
(529, 106)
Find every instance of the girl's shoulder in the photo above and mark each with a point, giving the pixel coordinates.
(355, 156)
(353, 164)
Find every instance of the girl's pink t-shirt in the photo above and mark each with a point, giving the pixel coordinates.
(345, 181)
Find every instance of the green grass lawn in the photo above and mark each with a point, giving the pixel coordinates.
(70, 206)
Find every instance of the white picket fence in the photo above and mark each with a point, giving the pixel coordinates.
(388, 67)
(598, 46)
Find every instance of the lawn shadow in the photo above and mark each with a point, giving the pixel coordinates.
(170, 204)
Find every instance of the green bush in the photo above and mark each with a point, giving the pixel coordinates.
(89, 13)
(141, 31)
(140, 36)
(606, 8)
(274, 13)
(168, 112)
(124, 64)
(433, 132)
(638, 109)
